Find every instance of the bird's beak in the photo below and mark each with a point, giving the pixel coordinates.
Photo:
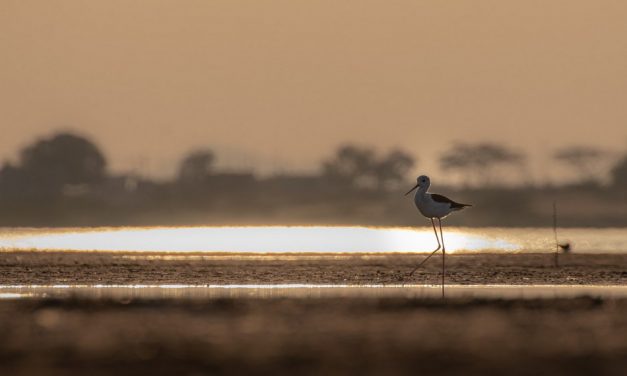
(408, 192)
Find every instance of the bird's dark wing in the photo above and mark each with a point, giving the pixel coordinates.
(445, 200)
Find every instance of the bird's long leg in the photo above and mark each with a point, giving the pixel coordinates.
(443, 256)
(432, 253)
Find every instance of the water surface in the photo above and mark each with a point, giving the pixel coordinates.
(308, 239)
(309, 291)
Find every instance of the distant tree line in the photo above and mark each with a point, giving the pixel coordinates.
(66, 170)
(67, 162)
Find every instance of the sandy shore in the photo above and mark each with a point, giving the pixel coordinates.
(332, 336)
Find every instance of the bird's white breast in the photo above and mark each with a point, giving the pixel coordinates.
(430, 208)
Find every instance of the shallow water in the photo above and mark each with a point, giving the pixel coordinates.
(303, 239)
(124, 292)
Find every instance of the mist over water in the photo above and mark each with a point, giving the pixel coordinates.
(309, 239)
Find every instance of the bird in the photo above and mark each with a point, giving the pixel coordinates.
(565, 247)
(434, 206)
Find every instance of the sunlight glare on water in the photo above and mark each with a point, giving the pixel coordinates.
(309, 239)
(272, 239)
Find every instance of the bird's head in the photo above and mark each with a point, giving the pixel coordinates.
(422, 181)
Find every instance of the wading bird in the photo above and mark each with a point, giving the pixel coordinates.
(565, 247)
(432, 206)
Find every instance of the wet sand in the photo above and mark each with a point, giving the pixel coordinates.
(378, 335)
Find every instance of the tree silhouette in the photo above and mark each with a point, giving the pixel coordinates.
(360, 167)
(584, 160)
(196, 166)
(477, 162)
(351, 166)
(393, 169)
(64, 159)
(619, 173)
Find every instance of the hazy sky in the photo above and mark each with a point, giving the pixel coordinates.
(284, 82)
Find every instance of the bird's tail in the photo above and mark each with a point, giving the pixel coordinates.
(458, 206)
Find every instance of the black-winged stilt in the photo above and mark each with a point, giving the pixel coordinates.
(432, 205)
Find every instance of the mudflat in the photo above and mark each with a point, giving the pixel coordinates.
(172, 268)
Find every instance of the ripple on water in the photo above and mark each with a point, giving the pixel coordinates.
(178, 291)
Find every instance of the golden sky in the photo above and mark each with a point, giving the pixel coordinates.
(284, 82)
